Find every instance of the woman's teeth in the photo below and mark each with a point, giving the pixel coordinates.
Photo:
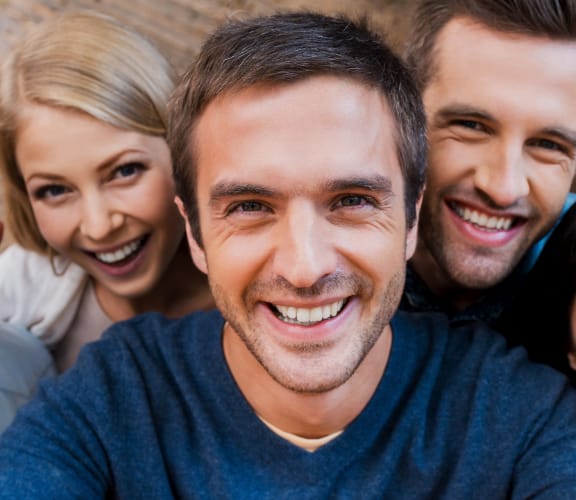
(308, 316)
(120, 254)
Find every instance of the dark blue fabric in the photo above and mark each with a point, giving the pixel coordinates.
(490, 309)
(152, 411)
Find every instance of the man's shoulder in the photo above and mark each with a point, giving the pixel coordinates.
(453, 351)
(148, 351)
(474, 348)
(437, 327)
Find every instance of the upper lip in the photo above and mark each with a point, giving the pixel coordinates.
(486, 210)
(308, 305)
(309, 315)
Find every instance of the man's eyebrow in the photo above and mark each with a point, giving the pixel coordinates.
(377, 183)
(229, 189)
(462, 110)
(562, 133)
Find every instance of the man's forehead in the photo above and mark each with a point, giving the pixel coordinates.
(471, 58)
(463, 33)
(316, 120)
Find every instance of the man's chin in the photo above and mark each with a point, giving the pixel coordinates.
(480, 278)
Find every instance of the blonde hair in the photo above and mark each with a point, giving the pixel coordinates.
(82, 61)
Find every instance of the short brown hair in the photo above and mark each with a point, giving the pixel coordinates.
(539, 18)
(290, 47)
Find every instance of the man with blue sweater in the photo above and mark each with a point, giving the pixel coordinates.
(299, 147)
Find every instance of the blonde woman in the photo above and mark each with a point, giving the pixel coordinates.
(88, 186)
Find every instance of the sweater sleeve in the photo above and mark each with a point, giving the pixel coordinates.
(534, 408)
(546, 468)
(54, 448)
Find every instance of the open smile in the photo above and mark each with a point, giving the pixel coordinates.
(483, 220)
(305, 316)
(121, 255)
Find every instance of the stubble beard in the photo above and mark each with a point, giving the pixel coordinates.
(464, 268)
(332, 375)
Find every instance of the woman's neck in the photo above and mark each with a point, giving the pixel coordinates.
(181, 290)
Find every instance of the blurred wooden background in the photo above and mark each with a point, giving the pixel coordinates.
(178, 27)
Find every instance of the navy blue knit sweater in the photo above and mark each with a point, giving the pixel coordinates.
(152, 411)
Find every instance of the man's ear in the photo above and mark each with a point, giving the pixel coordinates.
(196, 251)
(412, 235)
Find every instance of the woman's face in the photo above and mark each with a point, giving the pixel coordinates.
(102, 196)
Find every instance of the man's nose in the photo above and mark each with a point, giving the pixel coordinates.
(304, 251)
(504, 177)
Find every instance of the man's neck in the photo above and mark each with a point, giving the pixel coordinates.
(309, 415)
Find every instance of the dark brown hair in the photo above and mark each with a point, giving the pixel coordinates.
(285, 48)
(553, 19)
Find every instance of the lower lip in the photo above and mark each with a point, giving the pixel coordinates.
(486, 238)
(324, 331)
(127, 269)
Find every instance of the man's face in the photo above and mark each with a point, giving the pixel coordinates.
(502, 128)
(304, 232)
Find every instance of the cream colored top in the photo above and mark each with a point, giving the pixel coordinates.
(34, 298)
(309, 444)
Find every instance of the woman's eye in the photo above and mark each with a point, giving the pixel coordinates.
(50, 191)
(128, 170)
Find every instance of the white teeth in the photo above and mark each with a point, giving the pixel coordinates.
(120, 254)
(309, 316)
(484, 221)
(302, 315)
